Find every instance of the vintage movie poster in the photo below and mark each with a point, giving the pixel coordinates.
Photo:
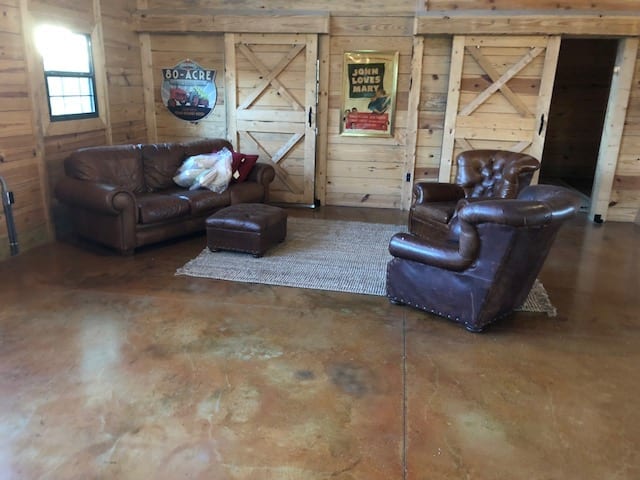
(189, 91)
(369, 93)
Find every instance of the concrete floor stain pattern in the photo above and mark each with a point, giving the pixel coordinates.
(112, 368)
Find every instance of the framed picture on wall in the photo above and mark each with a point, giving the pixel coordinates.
(369, 93)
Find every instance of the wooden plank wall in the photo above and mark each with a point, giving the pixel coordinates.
(165, 52)
(357, 172)
(124, 72)
(433, 105)
(117, 55)
(31, 161)
(410, 7)
(371, 171)
(365, 171)
(624, 204)
(370, 8)
(20, 161)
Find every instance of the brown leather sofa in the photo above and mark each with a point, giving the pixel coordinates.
(481, 174)
(124, 197)
(488, 270)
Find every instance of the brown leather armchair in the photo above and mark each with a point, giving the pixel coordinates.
(487, 271)
(481, 174)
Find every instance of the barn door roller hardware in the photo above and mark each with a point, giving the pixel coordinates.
(7, 202)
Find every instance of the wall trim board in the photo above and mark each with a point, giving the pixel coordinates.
(366, 26)
(35, 96)
(148, 88)
(208, 20)
(614, 124)
(413, 114)
(608, 24)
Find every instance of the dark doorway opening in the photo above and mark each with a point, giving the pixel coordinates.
(576, 117)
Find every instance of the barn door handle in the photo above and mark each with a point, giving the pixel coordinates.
(541, 124)
(310, 115)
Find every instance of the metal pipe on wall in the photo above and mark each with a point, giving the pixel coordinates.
(7, 202)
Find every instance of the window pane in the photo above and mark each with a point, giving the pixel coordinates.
(85, 86)
(55, 86)
(72, 105)
(71, 86)
(62, 50)
(87, 105)
(57, 105)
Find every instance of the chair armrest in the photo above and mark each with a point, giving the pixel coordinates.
(436, 192)
(517, 213)
(100, 197)
(262, 173)
(438, 254)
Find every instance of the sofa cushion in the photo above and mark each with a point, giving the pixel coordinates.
(202, 200)
(160, 163)
(118, 165)
(157, 207)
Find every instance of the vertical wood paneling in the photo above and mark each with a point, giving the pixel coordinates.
(616, 183)
(208, 51)
(413, 109)
(20, 160)
(433, 103)
(124, 73)
(366, 171)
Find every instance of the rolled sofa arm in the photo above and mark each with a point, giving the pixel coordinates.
(262, 173)
(103, 198)
(424, 192)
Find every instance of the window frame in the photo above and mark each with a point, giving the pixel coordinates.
(38, 85)
(91, 75)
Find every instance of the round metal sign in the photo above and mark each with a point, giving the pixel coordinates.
(189, 91)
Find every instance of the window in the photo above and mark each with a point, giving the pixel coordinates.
(68, 72)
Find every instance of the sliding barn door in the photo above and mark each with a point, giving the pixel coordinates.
(271, 85)
(499, 95)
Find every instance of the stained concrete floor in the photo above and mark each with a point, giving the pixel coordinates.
(113, 368)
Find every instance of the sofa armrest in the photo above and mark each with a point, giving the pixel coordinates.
(100, 197)
(424, 192)
(262, 173)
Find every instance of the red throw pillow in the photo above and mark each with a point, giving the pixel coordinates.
(241, 166)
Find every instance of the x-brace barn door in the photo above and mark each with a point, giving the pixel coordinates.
(499, 95)
(271, 83)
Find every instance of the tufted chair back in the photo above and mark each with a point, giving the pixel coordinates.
(482, 174)
(494, 173)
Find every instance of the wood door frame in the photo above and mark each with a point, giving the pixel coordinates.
(610, 143)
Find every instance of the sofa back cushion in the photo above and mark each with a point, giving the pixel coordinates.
(208, 145)
(119, 165)
(160, 162)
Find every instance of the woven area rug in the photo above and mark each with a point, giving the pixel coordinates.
(324, 255)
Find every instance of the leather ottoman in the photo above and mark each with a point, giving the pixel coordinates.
(246, 227)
